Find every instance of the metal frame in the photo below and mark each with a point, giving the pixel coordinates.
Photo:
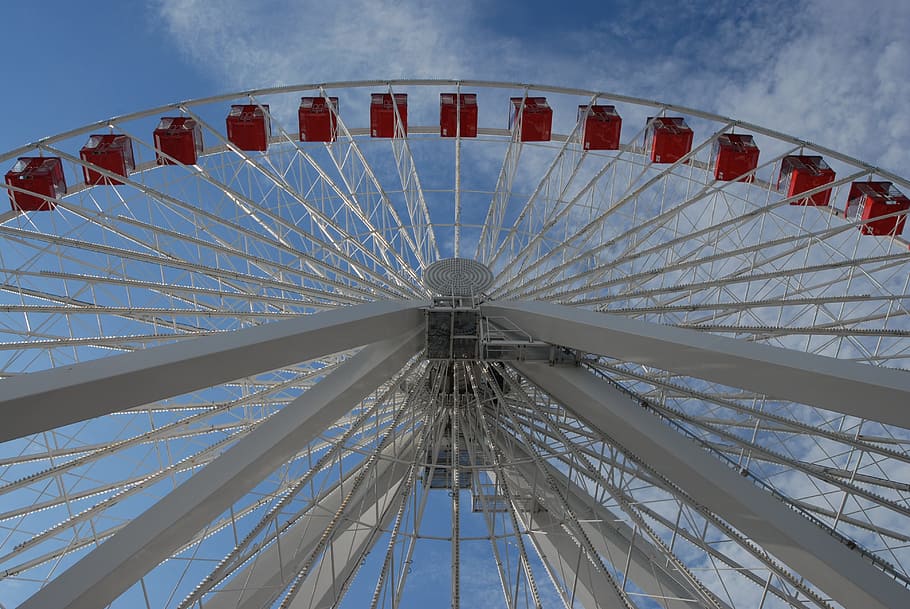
(42, 401)
(862, 391)
(808, 549)
(109, 570)
(249, 280)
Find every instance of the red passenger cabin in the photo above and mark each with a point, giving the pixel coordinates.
(248, 127)
(179, 138)
(734, 155)
(871, 200)
(534, 117)
(458, 109)
(799, 174)
(382, 114)
(668, 138)
(38, 175)
(113, 152)
(317, 120)
(601, 127)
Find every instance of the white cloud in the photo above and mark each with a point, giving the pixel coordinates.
(830, 72)
(838, 76)
(261, 44)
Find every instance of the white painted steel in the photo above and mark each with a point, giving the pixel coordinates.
(651, 568)
(870, 392)
(808, 549)
(566, 558)
(106, 572)
(253, 586)
(244, 243)
(45, 400)
(609, 534)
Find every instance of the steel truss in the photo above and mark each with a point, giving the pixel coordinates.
(680, 392)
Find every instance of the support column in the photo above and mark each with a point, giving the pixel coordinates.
(565, 558)
(804, 546)
(610, 535)
(106, 572)
(44, 400)
(322, 587)
(275, 567)
(860, 390)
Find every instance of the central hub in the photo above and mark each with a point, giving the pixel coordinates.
(458, 277)
(453, 323)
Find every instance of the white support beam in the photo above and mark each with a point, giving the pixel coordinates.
(44, 400)
(567, 560)
(109, 570)
(870, 392)
(325, 585)
(805, 547)
(611, 536)
(273, 569)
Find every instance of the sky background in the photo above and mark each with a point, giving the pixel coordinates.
(834, 72)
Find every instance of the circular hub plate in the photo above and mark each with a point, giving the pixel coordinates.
(457, 277)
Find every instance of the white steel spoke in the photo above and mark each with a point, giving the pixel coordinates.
(352, 203)
(580, 239)
(253, 363)
(322, 219)
(597, 188)
(552, 186)
(30, 237)
(272, 239)
(456, 246)
(492, 225)
(364, 188)
(426, 249)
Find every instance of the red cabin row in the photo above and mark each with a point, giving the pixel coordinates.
(668, 138)
(317, 121)
(734, 156)
(601, 127)
(383, 107)
(112, 152)
(533, 116)
(248, 127)
(458, 114)
(39, 176)
(178, 139)
(870, 200)
(799, 174)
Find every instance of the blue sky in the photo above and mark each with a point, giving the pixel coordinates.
(833, 72)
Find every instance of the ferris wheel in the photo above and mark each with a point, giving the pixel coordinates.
(392, 344)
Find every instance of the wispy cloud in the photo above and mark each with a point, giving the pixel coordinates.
(255, 44)
(834, 73)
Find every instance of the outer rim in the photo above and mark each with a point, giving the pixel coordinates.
(604, 96)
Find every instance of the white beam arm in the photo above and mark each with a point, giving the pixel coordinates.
(40, 401)
(609, 533)
(869, 392)
(566, 559)
(324, 586)
(273, 569)
(807, 548)
(274, 566)
(106, 572)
